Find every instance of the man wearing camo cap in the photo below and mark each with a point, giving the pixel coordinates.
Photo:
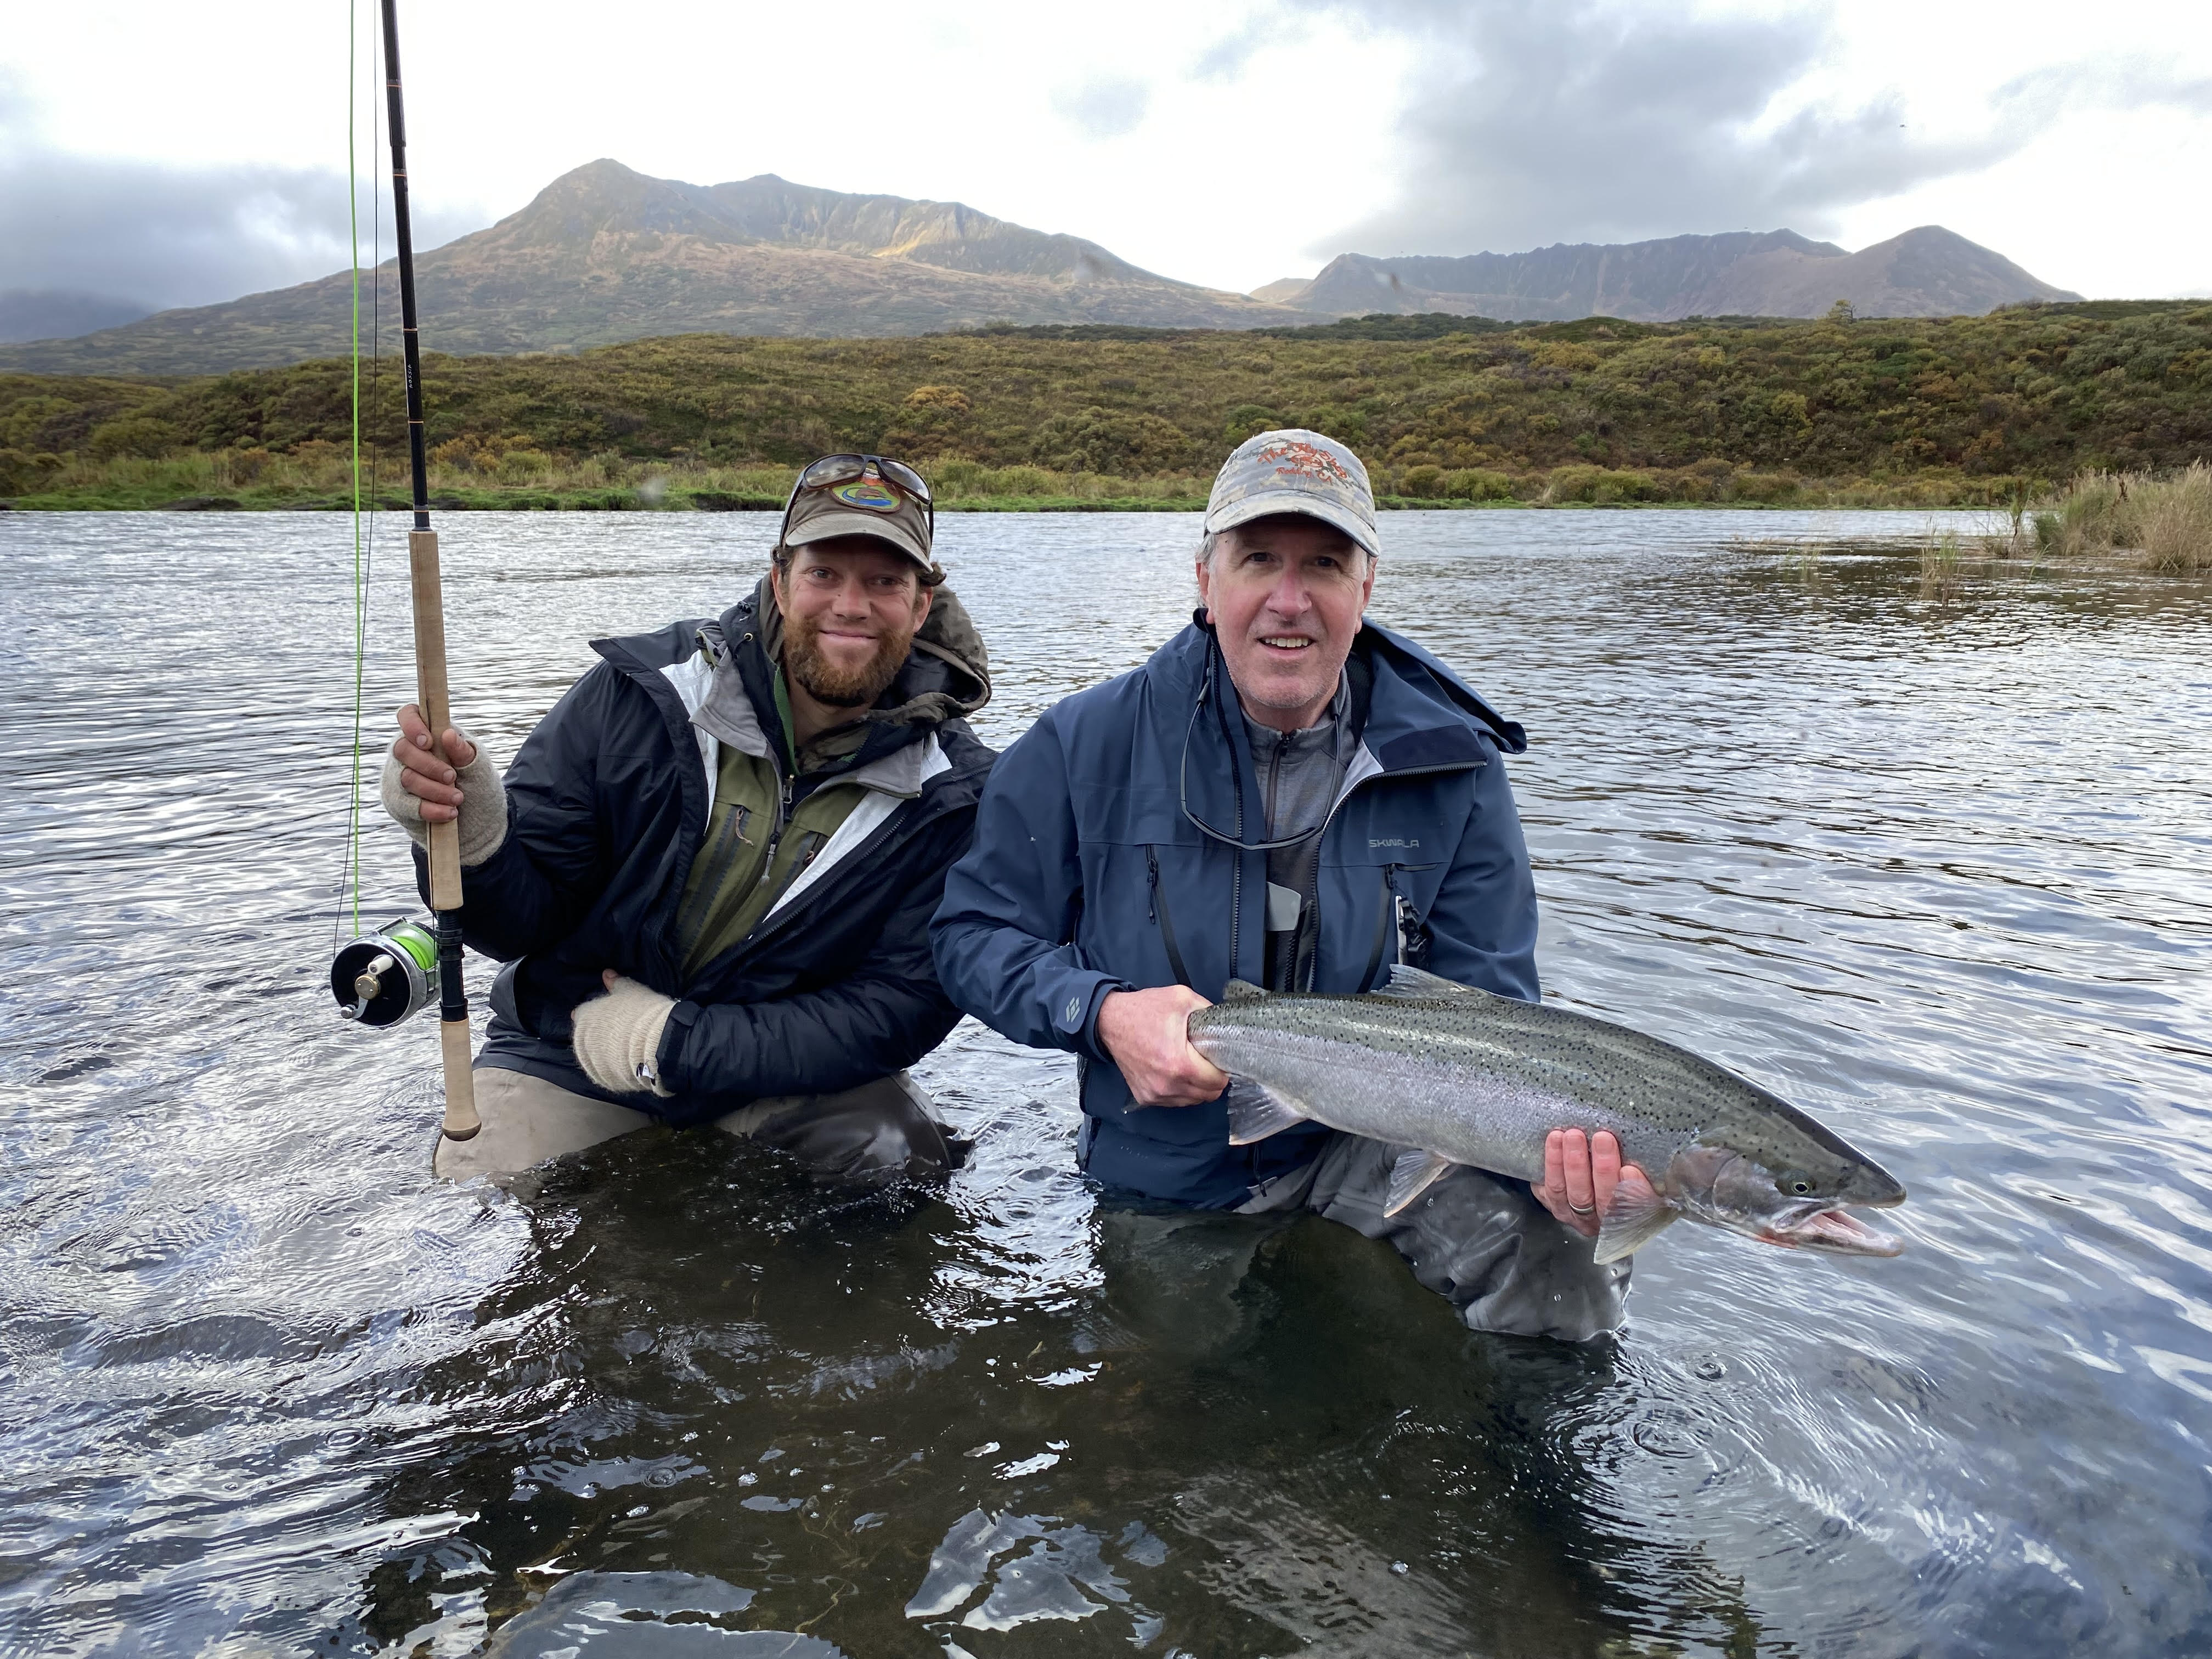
(1290, 794)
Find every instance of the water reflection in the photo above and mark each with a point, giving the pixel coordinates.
(1936, 868)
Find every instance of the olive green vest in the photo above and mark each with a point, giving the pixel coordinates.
(756, 845)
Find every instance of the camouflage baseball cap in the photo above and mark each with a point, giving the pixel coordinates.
(1294, 472)
(872, 502)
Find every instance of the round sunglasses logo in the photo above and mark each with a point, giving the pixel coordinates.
(867, 493)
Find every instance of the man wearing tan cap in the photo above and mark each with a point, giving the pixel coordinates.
(710, 869)
(1287, 794)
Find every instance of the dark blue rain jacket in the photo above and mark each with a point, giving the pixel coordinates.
(1087, 877)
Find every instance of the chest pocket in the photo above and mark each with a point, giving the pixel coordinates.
(1401, 927)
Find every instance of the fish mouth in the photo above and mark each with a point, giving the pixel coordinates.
(1835, 1231)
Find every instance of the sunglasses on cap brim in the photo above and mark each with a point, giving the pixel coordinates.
(832, 470)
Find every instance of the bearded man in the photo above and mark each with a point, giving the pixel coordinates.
(710, 870)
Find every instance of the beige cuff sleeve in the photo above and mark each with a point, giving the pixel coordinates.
(619, 1035)
(484, 807)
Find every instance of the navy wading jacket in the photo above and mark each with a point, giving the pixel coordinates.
(607, 801)
(1086, 877)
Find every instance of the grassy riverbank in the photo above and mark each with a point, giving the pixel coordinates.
(1910, 412)
(318, 477)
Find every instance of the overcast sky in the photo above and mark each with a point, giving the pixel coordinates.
(174, 155)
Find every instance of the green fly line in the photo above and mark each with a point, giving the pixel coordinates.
(359, 582)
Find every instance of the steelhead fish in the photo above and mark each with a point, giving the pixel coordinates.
(1465, 1077)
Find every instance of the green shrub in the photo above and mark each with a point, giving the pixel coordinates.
(1475, 485)
(1423, 482)
(1769, 487)
(1603, 486)
(1574, 484)
(139, 435)
(1249, 421)
(954, 478)
(1016, 481)
(1101, 441)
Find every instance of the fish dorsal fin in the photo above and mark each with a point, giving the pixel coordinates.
(1256, 1111)
(1415, 985)
(1413, 1175)
(1631, 1221)
(1241, 990)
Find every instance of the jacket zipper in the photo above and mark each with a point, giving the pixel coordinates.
(1155, 911)
(782, 819)
(1389, 912)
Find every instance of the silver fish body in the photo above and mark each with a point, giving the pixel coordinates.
(1464, 1077)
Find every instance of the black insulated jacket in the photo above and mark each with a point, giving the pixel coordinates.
(608, 800)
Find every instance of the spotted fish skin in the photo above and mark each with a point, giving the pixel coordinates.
(1483, 1079)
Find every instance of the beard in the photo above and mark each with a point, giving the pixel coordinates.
(839, 687)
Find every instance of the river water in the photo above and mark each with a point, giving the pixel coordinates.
(1938, 869)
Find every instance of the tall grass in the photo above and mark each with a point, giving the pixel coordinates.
(1941, 573)
(2164, 521)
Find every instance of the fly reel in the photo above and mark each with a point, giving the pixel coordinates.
(382, 978)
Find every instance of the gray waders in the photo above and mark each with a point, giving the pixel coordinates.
(872, 1136)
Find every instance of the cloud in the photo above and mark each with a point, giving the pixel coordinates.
(159, 236)
(1107, 105)
(1536, 121)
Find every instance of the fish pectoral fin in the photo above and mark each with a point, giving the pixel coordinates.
(1241, 990)
(1635, 1217)
(1413, 1174)
(1256, 1111)
(1417, 985)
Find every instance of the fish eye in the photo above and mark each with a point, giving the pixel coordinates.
(1800, 1185)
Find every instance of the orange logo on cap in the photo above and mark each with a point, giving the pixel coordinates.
(1295, 458)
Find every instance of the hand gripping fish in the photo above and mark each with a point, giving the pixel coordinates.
(1465, 1077)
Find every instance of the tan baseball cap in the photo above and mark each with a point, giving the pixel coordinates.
(1294, 471)
(870, 504)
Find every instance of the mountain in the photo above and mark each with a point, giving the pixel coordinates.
(1927, 272)
(604, 254)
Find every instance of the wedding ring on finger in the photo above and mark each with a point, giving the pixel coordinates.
(1582, 1209)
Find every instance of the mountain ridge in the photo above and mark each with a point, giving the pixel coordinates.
(604, 254)
(1927, 272)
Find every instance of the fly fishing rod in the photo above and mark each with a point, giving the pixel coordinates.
(389, 972)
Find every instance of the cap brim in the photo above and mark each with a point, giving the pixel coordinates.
(1270, 503)
(824, 525)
